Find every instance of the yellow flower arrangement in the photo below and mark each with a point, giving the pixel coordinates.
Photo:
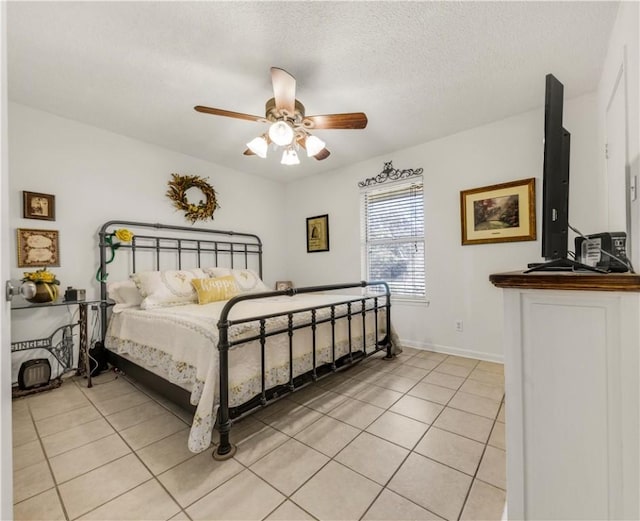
(123, 235)
(40, 276)
(46, 285)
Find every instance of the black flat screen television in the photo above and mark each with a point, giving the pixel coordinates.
(555, 184)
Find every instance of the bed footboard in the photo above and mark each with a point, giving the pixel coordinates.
(365, 304)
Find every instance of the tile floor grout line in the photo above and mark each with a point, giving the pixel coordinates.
(296, 504)
(288, 496)
(484, 450)
(411, 451)
(362, 430)
(135, 453)
(153, 474)
(81, 445)
(95, 468)
(214, 488)
(116, 497)
(53, 477)
(406, 393)
(386, 485)
(132, 451)
(464, 503)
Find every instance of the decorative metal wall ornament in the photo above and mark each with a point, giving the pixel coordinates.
(390, 174)
(177, 192)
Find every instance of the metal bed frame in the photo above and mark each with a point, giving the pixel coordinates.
(246, 246)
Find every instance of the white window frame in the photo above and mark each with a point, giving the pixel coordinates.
(417, 239)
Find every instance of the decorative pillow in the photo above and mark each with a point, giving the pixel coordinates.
(124, 293)
(247, 280)
(167, 288)
(112, 290)
(215, 289)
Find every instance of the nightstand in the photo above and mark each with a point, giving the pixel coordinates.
(63, 350)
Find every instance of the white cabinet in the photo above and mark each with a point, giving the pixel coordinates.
(572, 371)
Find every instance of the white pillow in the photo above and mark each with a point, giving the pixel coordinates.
(167, 288)
(124, 293)
(247, 280)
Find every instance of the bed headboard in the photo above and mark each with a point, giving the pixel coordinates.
(157, 246)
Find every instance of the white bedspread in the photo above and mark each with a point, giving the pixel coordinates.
(181, 342)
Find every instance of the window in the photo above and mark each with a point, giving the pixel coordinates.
(392, 220)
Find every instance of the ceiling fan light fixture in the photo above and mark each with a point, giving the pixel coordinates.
(281, 133)
(258, 146)
(290, 157)
(289, 125)
(314, 145)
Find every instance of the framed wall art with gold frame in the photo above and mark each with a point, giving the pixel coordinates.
(38, 248)
(499, 213)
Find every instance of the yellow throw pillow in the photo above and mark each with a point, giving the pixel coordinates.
(215, 289)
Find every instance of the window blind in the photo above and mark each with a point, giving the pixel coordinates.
(393, 237)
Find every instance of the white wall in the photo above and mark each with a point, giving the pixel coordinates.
(623, 50)
(458, 284)
(98, 176)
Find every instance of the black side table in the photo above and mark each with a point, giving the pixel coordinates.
(63, 351)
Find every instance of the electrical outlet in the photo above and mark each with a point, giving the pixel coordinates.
(459, 326)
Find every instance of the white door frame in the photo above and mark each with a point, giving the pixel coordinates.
(619, 88)
(6, 452)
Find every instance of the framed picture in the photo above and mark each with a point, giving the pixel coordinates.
(38, 248)
(282, 285)
(318, 233)
(38, 206)
(499, 213)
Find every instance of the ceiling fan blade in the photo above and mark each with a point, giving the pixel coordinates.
(227, 113)
(352, 120)
(323, 154)
(284, 89)
(248, 152)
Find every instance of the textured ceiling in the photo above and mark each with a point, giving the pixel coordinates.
(419, 70)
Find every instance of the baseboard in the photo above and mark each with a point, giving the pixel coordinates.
(458, 351)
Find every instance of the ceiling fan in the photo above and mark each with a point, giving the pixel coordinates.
(289, 126)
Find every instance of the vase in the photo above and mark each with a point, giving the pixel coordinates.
(45, 292)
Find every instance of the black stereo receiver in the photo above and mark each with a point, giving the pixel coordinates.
(601, 249)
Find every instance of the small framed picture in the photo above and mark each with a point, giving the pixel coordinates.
(318, 233)
(38, 206)
(38, 248)
(282, 285)
(499, 213)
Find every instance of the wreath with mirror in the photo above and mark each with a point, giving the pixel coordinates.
(183, 191)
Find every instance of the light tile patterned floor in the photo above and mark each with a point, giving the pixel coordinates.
(420, 437)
